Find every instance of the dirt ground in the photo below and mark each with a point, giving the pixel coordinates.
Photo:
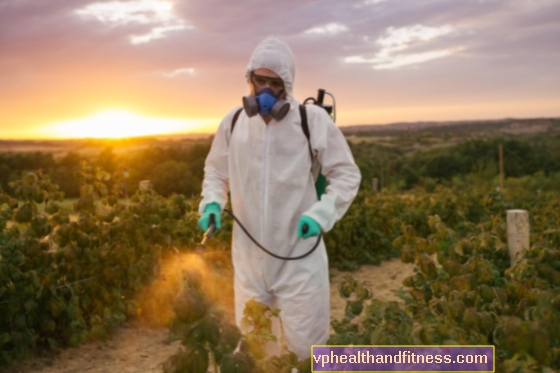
(143, 345)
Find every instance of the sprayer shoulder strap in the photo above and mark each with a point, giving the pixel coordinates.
(321, 181)
(234, 120)
(304, 126)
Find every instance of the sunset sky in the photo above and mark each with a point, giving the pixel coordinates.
(75, 68)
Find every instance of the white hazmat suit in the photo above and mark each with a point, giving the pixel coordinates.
(267, 170)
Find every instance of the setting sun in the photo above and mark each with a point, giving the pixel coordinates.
(120, 123)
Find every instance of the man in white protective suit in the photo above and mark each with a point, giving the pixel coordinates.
(266, 166)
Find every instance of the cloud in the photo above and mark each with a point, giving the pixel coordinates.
(178, 72)
(402, 38)
(392, 62)
(155, 13)
(368, 2)
(155, 33)
(122, 13)
(397, 40)
(330, 29)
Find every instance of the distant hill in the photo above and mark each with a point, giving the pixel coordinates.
(508, 125)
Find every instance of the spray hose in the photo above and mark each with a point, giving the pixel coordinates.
(211, 230)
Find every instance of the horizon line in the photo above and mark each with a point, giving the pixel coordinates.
(204, 134)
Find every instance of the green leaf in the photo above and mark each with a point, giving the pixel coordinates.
(4, 338)
(30, 305)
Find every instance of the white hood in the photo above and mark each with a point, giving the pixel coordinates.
(275, 55)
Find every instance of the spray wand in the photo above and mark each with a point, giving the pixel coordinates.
(209, 232)
(211, 229)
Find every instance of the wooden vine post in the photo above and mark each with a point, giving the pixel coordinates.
(517, 233)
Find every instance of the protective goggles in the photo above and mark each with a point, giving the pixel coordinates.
(261, 81)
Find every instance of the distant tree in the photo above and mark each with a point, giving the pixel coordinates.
(107, 160)
(197, 157)
(410, 176)
(63, 174)
(174, 177)
(5, 172)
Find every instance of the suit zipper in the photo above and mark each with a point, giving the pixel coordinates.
(263, 180)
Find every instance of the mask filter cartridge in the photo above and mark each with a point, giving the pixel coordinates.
(266, 103)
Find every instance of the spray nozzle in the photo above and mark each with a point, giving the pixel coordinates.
(209, 232)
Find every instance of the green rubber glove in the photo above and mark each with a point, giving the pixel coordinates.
(314, 229)
(204, 221)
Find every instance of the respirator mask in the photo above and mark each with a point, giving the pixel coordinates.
(266, 102)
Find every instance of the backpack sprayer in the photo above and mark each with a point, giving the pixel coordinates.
(331, 110)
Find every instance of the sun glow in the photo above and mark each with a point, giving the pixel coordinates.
(120, 123)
